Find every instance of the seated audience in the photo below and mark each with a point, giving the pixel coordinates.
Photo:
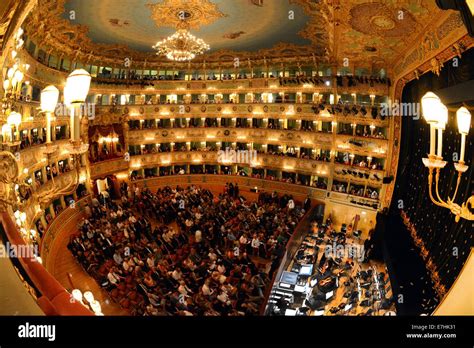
(132, 247)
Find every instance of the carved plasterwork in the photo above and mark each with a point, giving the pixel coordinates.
(318, 30)
(377, 19)
(381, 31)
(211, 157)
(227, 111)
(197, 13)
(108, 116)
(432, 42)
(375, 33)
(62, 185)
(52, 32)
(291, 138)
(8, 178)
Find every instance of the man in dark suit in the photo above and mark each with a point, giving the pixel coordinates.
(307, 203)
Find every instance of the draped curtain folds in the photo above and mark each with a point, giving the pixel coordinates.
(446, 244)
(107, 130)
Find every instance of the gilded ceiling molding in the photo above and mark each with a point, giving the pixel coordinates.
(108, 118)
(449, 30)
(197, 13)
(370, 49)
(51, 32)
(376, 19)
(321, 18)
(379, 31)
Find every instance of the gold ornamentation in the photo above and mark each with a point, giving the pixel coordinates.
(8, 178)
(64, 39)
(383, 22)
(67, 39)
(66, 185)
(435, 163)
(316, 30)
(435, 42)
(377, 19)
(197, 13)
(466, 208)
(436, 66)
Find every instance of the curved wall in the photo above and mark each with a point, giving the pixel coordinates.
(460, 298)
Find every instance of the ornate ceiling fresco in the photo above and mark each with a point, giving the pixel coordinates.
(129, 28)
(215, 22)
(385, 29)
(197, 13)
(372, 32)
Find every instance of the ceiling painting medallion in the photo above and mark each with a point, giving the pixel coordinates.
(377, 19)
(198, 13)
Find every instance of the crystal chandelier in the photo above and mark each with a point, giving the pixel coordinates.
(182, 45)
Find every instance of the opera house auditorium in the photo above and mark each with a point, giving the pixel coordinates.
(236, 158)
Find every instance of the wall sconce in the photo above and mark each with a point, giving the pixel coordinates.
(435, 114)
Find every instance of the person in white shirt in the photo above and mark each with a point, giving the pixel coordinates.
(183, 289)
(255, 245)
(176, 274)
(90, 234)
(198, 236)
(113, 277)
(223, 297)
(117, 258)
(271, 242)
(212, 255)
(128, 265)
(166, 237)
(221, 268)
(206, 290)
(150, 261)
(291, 204)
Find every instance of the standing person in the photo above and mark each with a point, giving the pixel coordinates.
(307, 203)
(255, 245)
(368, 245)
(236, 191)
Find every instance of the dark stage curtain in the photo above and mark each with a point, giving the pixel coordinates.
(447, 243)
